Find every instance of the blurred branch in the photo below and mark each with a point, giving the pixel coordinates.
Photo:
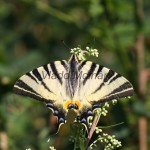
(143, 133)
(3, 141)
(54, 12)
(148, 73)
(142, 72)
(139, 46)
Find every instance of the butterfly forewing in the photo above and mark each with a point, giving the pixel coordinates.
(42, 82)
(47, 85)
(102, 84)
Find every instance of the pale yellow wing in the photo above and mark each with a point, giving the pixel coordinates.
(99, 84)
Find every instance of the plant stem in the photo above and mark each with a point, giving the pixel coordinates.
(94, 124)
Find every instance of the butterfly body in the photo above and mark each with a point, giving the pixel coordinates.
(73, 84)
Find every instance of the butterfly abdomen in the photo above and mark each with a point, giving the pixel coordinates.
(73, 75)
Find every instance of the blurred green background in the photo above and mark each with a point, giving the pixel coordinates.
(30, 36)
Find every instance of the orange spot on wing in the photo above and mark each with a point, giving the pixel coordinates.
(67, 103)
(78, 103)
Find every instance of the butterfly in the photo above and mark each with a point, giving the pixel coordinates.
(73, 84)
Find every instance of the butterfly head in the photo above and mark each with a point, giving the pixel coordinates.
(73, 58)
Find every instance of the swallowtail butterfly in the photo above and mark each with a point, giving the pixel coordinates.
(73, 84)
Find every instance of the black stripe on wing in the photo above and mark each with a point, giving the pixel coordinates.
(115, 77)
(122, 87)
(99, 70)
(31, 76)
(46, 69)
(97, 73)
(109, 75)
(123, 90)
(81, 65)
(100, 86)
(55, 72)
(121, 94)
(64, 64)
(90, 72)
(38, 76)
(22, 88)
(46, 87)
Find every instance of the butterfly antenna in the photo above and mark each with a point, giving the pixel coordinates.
(63, 42)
